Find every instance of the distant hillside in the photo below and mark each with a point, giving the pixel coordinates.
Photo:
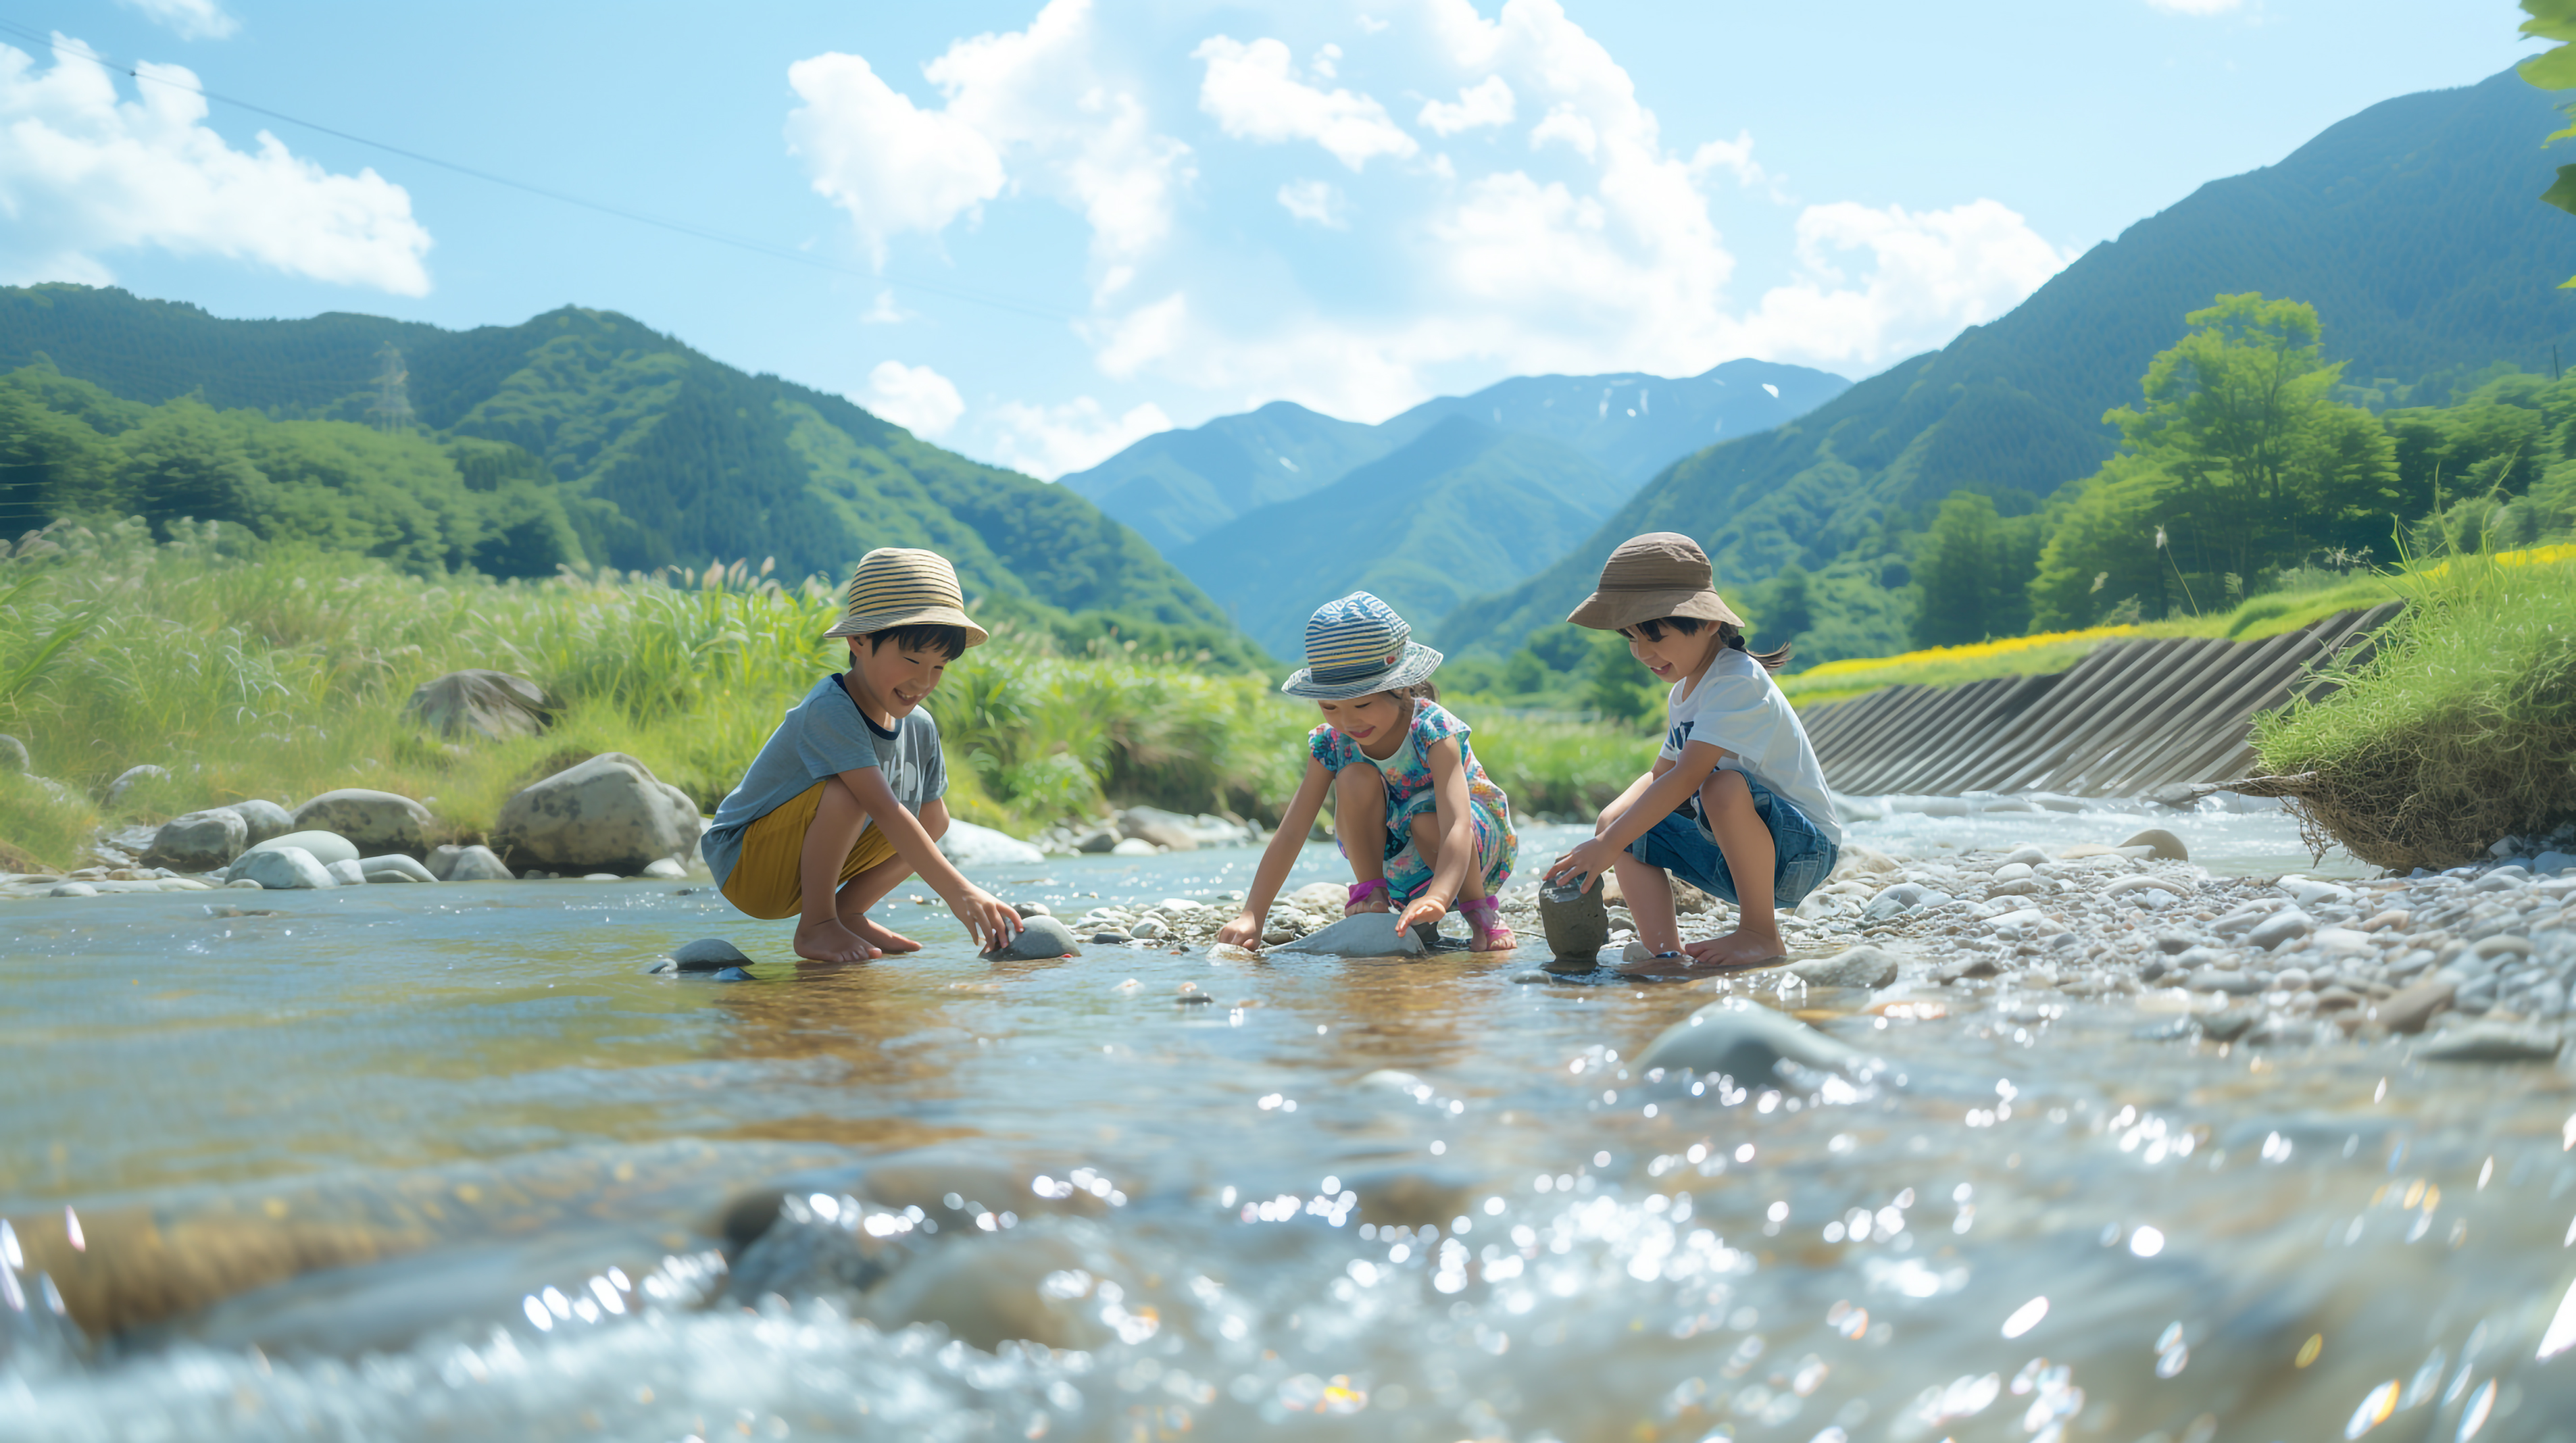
(1462, 509)
(659, 455)
(1178, 486)
(2413, 227)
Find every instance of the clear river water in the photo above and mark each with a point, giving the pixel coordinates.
(446, 1162)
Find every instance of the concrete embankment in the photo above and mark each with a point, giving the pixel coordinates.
(2130, 718)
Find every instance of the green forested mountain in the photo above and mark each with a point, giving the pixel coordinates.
(1178, 486)
(579, 436)
(1463, 508)
(2413, 229)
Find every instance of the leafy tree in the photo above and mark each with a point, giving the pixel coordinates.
(2239, 460)
(186, 462)
(1784, 607)
(1974, 567)
(2554, 69)
(1618, 688)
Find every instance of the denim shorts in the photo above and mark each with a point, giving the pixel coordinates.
(1801, 856)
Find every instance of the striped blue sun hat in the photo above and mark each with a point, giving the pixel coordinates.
(1355, 646)
(905, 586)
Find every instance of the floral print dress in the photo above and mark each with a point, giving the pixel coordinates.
(1410, 794)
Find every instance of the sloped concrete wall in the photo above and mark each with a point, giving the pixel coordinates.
(2131, 717)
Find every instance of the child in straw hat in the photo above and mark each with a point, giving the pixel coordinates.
(1422, 825)
(1735, 803)
(845, 799)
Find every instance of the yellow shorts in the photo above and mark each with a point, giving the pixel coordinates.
(764, 881)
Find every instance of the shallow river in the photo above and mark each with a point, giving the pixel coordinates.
(445, 1162)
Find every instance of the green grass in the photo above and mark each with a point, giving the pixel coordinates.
(251, 671)
(2458, 729)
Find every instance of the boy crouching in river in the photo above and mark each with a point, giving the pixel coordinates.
(845, 799)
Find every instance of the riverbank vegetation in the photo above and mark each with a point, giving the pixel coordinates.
(251, 669)
(2458, 728)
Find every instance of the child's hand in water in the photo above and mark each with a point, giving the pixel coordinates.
(1244, 932)
(1590, 858)
(989, 919)
(1423, 909)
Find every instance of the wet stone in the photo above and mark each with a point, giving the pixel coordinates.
(2227, 1026)
(1040, 938)
(1368, 934)
(1577, 923)
(1744, 1040)
(1858, 967)
(2493, 1042)
(707, 954)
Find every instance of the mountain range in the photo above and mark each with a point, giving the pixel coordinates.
(2414, 228)
(1272, 510)
(664, 455)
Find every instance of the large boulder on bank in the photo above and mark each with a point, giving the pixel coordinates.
(133, 777)
(1162, 828)
(482, 703)
(608, 814)
(322, 847)
(283, 869)
(199, 841)
(467, 864)
(374, 821)
(264, 820)
(968, 845)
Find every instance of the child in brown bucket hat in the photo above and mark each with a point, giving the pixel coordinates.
(1735, 803)
(846, 798)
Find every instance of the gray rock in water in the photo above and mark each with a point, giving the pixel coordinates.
(393, 867)
(199, 841)
(1745, 1041)
(1900, 897)
(609, 813)
(347, 874)
(376, 822)
(1369, 934)
(1033, 909)
(133, 777)
(2219, 979)
(1040, 938)
(664, 869)
(732, 974)
(2492, 1042)
(490, 704)
(282, 868)
(1859, 967)
(2227, 1026)
(1577, 924)
(1162, 828)
(13, 755)
(966, 845)
(72, 889)
(2164, 844)
(323, 847)
(707, 954)
(1097, 840)
(264, 819)
(470, 864)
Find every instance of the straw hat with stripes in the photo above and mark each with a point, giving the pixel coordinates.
(1355, 646)
(905, 586)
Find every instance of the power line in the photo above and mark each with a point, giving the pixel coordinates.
(135, 73)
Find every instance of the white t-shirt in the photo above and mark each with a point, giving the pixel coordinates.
(1738, 708)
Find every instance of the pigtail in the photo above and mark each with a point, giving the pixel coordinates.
(1730, 635)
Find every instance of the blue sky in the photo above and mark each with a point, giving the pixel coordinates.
(1035, 231)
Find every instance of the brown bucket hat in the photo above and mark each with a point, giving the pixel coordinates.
(1650, 577)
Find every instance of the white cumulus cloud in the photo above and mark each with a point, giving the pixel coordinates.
(188, 19)
(1043, 110)
(1048, 441)
(1541, 221)
(1316, 202)
(1489, 102)
(917, 398)
(84, 174)
(1253, 92)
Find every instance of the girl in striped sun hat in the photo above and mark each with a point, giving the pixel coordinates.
(1423, 826)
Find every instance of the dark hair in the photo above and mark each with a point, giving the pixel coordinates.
(1421, 690)
(1727, 635)
(949, 641)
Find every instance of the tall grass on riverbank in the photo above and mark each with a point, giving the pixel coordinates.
(253, 672)
(2457, 730)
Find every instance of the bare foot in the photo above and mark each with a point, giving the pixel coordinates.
(879, 937)
(1742, 947)
(828, 941)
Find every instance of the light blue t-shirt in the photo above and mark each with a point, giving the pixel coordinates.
(824, 735)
